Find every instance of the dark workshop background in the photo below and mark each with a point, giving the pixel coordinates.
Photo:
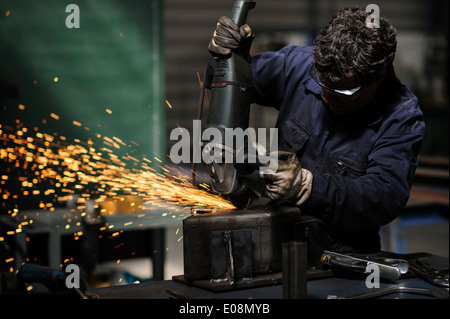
(142, 59)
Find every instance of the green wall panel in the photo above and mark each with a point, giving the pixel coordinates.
(113, 61)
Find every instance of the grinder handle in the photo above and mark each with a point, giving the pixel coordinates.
(240, 11)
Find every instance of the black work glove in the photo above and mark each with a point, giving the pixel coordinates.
(290, 181)
(228, 36)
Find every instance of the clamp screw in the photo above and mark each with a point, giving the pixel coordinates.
(324, 258)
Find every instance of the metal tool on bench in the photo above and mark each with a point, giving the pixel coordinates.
(390, 268)
(440, 293)
(294, 270)
(54, 281)
(434, 276)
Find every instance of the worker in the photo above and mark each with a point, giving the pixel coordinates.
(349, 130)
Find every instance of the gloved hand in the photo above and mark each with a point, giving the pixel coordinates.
(228, 36)
(290, 181)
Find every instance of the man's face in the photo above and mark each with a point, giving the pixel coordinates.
(342, 104)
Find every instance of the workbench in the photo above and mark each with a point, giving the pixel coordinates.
(317, 289)
(342, 286)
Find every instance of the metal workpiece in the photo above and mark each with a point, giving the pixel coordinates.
(389, 268)
(237, 243)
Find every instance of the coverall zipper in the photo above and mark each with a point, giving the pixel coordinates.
(345, 166)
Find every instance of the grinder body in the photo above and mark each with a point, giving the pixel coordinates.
(229, 107)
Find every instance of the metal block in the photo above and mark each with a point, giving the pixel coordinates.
(258, 234)
(294, 270)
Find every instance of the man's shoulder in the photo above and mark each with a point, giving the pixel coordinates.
(297, 58)
(398, 95)
(299, 50)
(405, 115)
(405, 101)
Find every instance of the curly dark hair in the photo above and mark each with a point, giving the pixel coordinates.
(347, 46)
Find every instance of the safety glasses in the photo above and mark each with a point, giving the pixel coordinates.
(315, 76)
